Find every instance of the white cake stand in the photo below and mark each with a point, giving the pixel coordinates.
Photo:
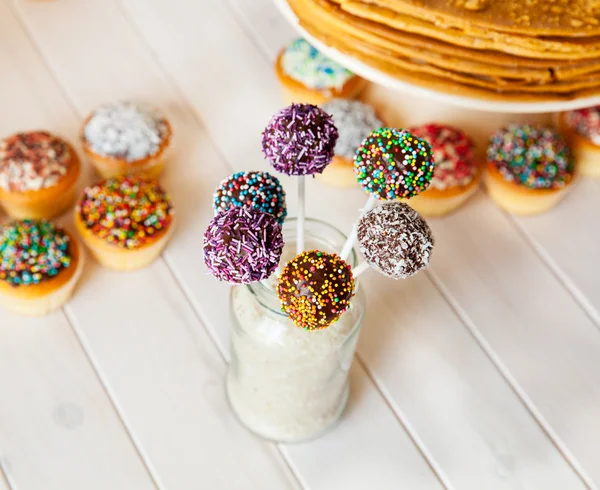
(390, 82)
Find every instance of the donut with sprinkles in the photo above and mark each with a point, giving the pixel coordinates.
(32, 251)
(126, 212)
(534, 156)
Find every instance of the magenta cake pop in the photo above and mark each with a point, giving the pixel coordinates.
(242, 245)
(300, 140)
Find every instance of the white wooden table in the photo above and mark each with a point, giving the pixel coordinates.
(481, 374)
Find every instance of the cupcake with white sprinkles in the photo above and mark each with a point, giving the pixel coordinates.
(354, 120)
(308, 76)
(124, 138)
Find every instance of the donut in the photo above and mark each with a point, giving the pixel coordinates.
(315, 288)
(125, 221)
(300, 140)
(393, 164)
(313, 69)
(242, 245)
(259, 190)
(354, 120)
(125, 138)
(38, 175)
(532, 156)
(40, 264)
(453, 153)
(395, 240)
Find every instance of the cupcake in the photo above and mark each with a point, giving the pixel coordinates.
(310, 77)
(40, 265)
(529, 168)
(354, 120)
(38, 175)
(581, 129)
(125, 221)
(126, 139)
(456, 173)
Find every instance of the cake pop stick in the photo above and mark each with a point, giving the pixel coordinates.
(351, 240)
(391, 164)
(360, 268)
(301, 215)
(300, 140)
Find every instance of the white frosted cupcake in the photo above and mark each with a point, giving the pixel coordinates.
(124, 138)
(354, 121)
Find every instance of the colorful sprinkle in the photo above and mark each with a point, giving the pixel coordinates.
(33, 161)
(126, 211)
(533, 156)
(395, 240)
(300, 140)
(354, 120)
(393, 164)
(258, 190)
(315, 288)
(310, 67)
(125, 130)
(453, 153)
(32, 251)
(586, 122)
(242, 245)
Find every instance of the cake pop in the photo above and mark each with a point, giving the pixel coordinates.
(391, 164)
(259, 190)
(395, 240)
(315, 288)
(242, 245)
(300, 140)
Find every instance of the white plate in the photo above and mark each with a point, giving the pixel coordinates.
(388, 81)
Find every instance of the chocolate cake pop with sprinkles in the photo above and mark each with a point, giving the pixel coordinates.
(32, 251)
(393, 164)
(258, 190)
(315, 288)
(534, 156)
(395, 240)
(242, 245)
(300, 140)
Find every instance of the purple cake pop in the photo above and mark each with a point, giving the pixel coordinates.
(300, 140)
(242, 245)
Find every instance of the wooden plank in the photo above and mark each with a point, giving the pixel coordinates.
(567, 239)
(58, 429)
(3, 481)
(538, 335)
(157, 363)
(194, 185)
(517, 437)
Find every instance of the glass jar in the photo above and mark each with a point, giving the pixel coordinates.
(287, 384)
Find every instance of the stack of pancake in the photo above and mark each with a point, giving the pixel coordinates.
(518, 50)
